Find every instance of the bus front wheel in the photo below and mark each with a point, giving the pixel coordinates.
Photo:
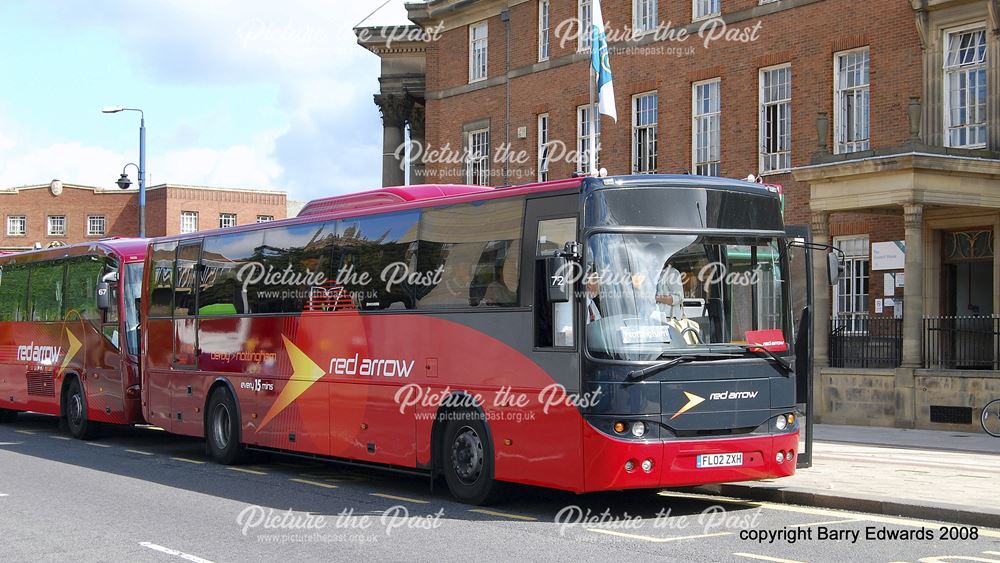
(222, 429)
(467, 460)
(80, 427)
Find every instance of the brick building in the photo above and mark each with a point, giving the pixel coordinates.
(52, 214)
(881, 119)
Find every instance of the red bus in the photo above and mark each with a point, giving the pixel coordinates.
(586, 334)
(69, 333)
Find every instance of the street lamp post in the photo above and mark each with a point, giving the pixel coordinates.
(142, 165)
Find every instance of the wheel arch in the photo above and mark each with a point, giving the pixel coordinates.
(221, 382)
(467, 402)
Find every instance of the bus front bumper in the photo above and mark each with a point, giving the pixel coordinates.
(612, 464)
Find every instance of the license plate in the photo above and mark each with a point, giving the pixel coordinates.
(720, 460)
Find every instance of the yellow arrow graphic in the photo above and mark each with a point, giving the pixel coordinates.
(305, 373)
(74, 347)
(693, 401)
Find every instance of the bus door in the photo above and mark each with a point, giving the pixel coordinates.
(551, 223)
(801, 303)
(183, 389)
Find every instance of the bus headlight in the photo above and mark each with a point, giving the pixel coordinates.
(638, 429)
(781, 423)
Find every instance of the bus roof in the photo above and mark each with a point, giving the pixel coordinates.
(128, 249)
(402, 198)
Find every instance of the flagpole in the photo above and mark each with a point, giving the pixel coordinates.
(592, 117)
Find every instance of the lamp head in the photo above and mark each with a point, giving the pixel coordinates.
(112, 109)
(124, 182)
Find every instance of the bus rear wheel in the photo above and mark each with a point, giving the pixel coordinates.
(222, 428)
(75, 409)
(7, 416)
(467, 460)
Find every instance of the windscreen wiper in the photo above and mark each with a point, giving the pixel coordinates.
(786, 367)
(644, 373)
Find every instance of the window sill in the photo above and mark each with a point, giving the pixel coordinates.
(775, 172)
(706, 17)
(477, 80)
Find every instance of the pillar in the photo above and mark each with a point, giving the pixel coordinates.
(821, 293)
(418, 168)
(395, 110)
(913, 287)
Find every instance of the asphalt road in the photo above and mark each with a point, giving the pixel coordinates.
(143, 495)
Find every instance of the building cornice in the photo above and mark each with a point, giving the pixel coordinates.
(949, 164)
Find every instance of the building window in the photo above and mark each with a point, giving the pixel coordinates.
(478, 49)
(543, 147)
(705, 142)
(851, 105)
(543, 30)
(965, 88)
(189, 222)
(96, 225)
(583, 134)
(776, 119)
(17, 225)
(644, 117)
(644, 15)
(851, 299)
(227, 220)
(585, 16)
(57, 225)
(478, 160)
(706, 9)
(265, 218)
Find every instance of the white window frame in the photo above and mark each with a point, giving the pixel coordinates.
(479, 47)
(841, 121)
(782, 158)
(583, 124)
(544, 28)
(947, 71)
(191, 218)
(93, 221)
(710, 166)
(641, 155)
(644, 16)
(265, 218)
(52, 222)
(704, 9)
(544, 132)
(225, 218)
(22, 220)
(852, 263)
(477, 167)
(585, 19)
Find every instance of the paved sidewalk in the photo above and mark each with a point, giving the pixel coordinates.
(949, 476)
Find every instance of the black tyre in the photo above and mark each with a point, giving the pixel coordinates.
(991, 418)
(222, 428)
(467, 460)
(75, 410)
(7, 416)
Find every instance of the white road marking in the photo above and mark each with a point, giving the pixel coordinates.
(97, 445)
(246, 470)
(60, 437)
(950, 558)
(174, 552)
(653, 539)
(503, 514)
(26, 432)
(140, 452)
(4, 495)
(11, 443)
(404, 499)
(186, 460)
(766, 558)
(314, 483)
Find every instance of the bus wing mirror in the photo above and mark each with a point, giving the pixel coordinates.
(557, 279)
(834, 268)
(104, 296)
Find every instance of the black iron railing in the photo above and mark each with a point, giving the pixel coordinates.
(866, 341)
(962, 343)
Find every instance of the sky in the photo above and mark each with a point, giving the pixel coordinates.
(263, 94)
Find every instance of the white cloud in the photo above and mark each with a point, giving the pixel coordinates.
(308, 49)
